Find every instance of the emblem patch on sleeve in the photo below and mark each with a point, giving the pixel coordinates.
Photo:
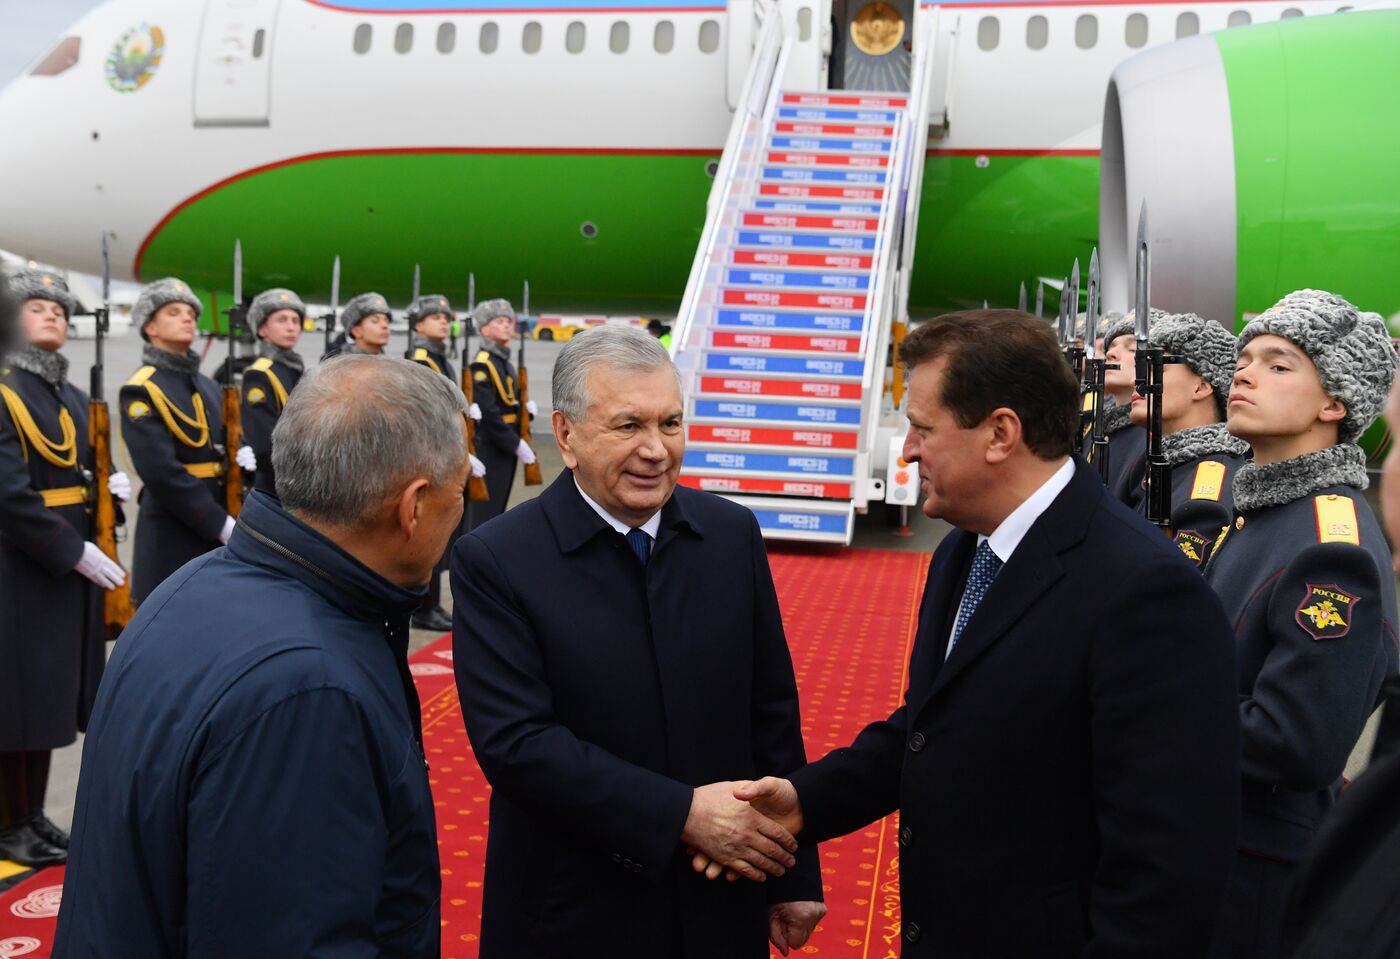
(1192, 545)
(479, 376)
(1325, 612)
(256, 395)
(137, 410)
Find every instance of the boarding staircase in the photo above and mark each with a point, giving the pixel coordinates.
(783, 338)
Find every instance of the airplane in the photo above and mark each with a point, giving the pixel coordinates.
(574, 142)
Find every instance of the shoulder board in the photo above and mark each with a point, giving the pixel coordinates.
(1336, 520)
(420, 354)
(141, 376)
(262, 364)
(482, 357)
(1209, 481)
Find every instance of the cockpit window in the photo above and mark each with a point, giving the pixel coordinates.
(60, 58)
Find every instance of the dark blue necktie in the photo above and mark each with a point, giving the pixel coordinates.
(640, 543)
(985, 566)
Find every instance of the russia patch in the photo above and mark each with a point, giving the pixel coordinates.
(256, 395)
(137, 410)
(1192, 545)
(1326, 611)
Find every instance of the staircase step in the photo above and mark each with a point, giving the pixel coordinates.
(825, 98)
(805, 241)
(827, 344)
(796, 221)
(786, 174)
(850, 161)
(803, 365)
(836, 261)
(825, 206)
(842, 146)
(855, 302)
(801, 389)
(789, 279)
(789, 320)
(768, 436)
(804, 191)
(751, 484)
(833, 115)
(754, 411)
(794, 465)
(873, 131)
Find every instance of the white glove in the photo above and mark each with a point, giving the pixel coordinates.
(246, 458)
(478, 467)
(474, 412)
(531, 408)
(524, 453)
(227, 531)
(119, 485)
(99, 569)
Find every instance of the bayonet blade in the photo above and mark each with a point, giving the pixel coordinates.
(106, 272)
(1074, 299)
(1091, 317)
(1021, 299)
(417, 276)
(1064, 312)
(1040, 298)
(237, 273)
(335, 286)
(1142, 302)
(471, 292)
(525, 301)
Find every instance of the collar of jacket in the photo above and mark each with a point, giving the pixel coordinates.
(288, 358)
(267, 535)
(50, 366)
(1198, 441)
(1256, 485)
(164, 360)
(575, 523)
(1116, 418)
(491, 346)
(438, 350)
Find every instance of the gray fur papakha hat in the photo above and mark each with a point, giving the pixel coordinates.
(488, 310)
(269, 302)
(1207, 347)
(43, 285)
(160, 293)
(1351, 350)
(366, 304)
(427, 305)
(1126, 323)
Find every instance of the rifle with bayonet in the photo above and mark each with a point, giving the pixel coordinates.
(1157, 474)
(116, 603)
(532, 470)
(1066, 324)
(417, 277)
(232, 402)
(1070, 298)
(333, 317)
(476, 485)
(1095, 367)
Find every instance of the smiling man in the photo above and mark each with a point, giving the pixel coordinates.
(1063, 761)
(601, 706)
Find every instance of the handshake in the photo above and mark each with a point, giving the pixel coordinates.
(747, 830)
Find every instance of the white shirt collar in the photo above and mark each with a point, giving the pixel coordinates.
(1006, 537)
(650, 527)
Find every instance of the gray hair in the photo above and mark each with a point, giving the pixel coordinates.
(356, 429)
(624, 348)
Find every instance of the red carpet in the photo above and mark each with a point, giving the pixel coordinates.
(850, 619)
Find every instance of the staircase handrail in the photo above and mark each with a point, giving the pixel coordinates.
(756, 98)
(926, 29)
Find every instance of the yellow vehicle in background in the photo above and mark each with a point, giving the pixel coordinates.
(564, 327)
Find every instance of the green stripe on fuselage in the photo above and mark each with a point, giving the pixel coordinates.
(507, 218)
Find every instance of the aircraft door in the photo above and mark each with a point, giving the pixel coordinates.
(233, 76)
(871, 49)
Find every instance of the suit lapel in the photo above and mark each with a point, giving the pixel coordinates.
(941, 594)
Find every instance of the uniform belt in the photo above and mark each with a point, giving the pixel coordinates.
(206, 470)
(64, 496)
(509, 417)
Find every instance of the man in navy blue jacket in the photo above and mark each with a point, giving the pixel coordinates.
(1065, 759)
(253, 780)
(606, 710)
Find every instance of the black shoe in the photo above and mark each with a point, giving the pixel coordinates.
(24, 846)
(435, 619)
(46, 830)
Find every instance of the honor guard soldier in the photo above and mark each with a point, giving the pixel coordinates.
(277, 316)
(51, 573)
(1202, 453)
(366, 321)
(494, 386)
(430, 318)
(171, 425)
(1305, 575)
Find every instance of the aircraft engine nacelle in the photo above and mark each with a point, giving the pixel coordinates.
(1270, 160)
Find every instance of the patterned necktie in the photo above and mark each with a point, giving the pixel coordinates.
(640, 543)
(985, 566)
